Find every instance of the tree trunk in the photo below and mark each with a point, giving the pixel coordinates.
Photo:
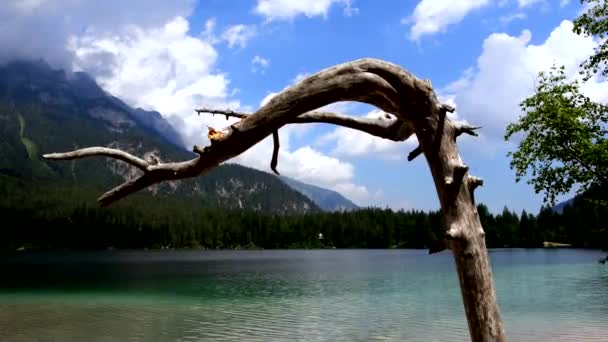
(464, 233)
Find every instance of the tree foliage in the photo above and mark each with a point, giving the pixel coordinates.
(565, 133)
(565, 137)
(60, 216)
(594, 22)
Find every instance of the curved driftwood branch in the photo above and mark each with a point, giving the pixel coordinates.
(100, 151)
(386, 127)
(416, 109)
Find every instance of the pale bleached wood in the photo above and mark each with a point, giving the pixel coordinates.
(416, 109)
(387, 127)
(100, 151)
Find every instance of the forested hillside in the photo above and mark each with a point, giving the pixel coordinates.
(55, 217)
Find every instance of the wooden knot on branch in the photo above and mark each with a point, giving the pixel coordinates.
(474, 182)
(455, 232)
(455, 180)
(199, 150)
(215, 136)
(451, 235)
(445, 108)
(154, 160)
(458, 172)
(427, 83)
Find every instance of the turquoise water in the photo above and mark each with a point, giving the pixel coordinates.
(295, 295)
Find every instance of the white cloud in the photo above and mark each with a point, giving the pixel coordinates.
(25, 6)
(167, 70)
(505, 19)
(308, 165)
(505, 74)
(152, 60)
(208, 33)
(163, 69)
(564, 3)
(263, 62)
(238, 35)
(149, 59)
(527, 3)
(35, 29)
(287, 9)
(259, 64)
(359, 194)
(434, 16)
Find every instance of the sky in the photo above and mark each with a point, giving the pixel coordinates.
(482, 56)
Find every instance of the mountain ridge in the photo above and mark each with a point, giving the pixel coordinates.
(43, 110)
(327, 200)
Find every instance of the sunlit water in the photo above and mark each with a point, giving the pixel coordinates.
(320, 295)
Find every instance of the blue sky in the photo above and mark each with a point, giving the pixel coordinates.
(481, 55)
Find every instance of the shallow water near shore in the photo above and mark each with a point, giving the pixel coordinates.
(291, 295)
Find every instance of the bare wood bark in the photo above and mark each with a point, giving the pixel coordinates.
(101, 151)
(387, 127)
(275, 152)
(416, 109)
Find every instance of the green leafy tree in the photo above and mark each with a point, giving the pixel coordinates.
(565, 142)
(594, 22)
(565, 138)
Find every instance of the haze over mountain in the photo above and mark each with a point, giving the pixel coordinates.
(46, 110)
(327, 200)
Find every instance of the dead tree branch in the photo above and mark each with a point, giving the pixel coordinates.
(391, 128)
(417, 111)
(415, 153)
(101, 151)
(275, 152)
(461, 128)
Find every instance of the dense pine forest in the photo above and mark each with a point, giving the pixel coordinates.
(52, 216)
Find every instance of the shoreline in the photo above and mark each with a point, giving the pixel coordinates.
(184, 249)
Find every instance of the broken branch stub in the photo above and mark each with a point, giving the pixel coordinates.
(275, 152)
(416, 110)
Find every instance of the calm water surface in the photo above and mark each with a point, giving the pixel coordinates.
(320, 295)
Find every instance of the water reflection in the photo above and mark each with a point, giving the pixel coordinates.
(388, 295)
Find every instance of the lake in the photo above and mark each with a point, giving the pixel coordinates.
(293, 295)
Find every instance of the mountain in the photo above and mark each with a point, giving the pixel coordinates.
(594, 195)
(327, 200)
(45, 110)
(559, 208)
